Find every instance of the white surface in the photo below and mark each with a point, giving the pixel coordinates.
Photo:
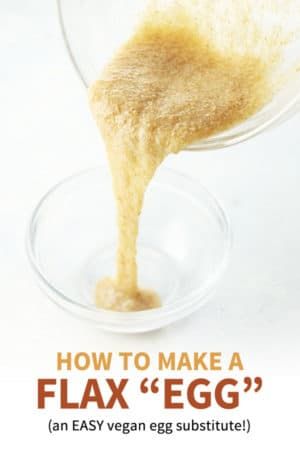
(47, 134)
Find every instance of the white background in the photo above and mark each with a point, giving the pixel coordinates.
(47, 134)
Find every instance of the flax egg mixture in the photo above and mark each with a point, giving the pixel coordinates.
(174, 82)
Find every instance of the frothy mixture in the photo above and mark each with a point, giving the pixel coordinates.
(171, 84)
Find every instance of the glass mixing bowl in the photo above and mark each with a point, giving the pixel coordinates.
(94, 29)
(183, 247)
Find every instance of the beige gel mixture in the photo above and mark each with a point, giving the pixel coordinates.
(168, 86)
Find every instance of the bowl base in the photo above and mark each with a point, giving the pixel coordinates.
(157, 271)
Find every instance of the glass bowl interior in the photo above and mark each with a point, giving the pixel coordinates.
(93, 30)
(183, 246)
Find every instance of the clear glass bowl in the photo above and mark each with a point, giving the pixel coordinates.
(94, 29)
(183, 246)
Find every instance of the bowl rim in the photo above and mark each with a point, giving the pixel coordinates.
(194, 298)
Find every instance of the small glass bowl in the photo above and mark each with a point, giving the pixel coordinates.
(183, 247)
